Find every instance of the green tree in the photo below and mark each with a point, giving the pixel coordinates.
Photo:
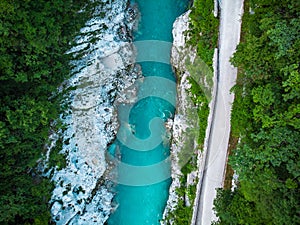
(34, 37)
(265, 117)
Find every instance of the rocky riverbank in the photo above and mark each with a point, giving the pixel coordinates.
(186, 147)
(102, 70)
(184, 104)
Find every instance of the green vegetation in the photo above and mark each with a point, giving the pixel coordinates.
(203, 30)
(203, 34)
(201, 101)
(266, 118)
(34, 36)
(183, 213)
(229, 172)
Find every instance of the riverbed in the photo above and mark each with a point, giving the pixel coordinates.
(142, 145)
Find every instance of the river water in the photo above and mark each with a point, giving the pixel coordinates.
(142, 144)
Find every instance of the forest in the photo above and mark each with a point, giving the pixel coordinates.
(265, 118)
(34, 37)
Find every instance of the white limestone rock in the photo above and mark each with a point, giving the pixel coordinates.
(180, 123)
(103, 71)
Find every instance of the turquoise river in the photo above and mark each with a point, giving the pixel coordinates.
(141, 196)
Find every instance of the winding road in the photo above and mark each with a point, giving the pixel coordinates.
(216, 153)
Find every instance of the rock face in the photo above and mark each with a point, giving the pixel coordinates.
(185, 128)
(104, 69)
(187, 65)
(181, 122)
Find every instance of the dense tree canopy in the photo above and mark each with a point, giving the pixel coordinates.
(34, 36)
(266, 117)
(203, 30)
